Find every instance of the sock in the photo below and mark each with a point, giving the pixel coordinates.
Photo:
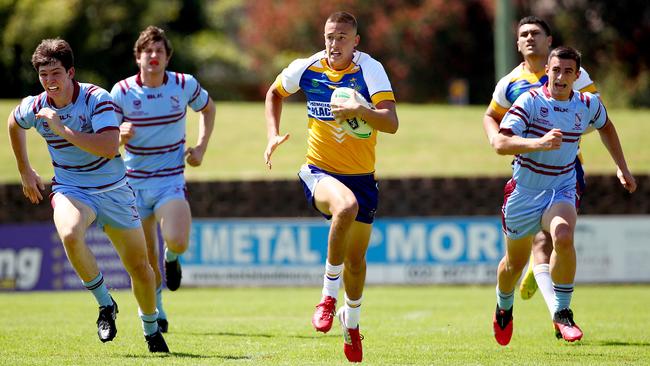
(170, 256)
(332, 279)
(99, 290)
(352, 312)
(149, 322)
(545, 285)
(505, 300)
(563, 293)
(159, 305)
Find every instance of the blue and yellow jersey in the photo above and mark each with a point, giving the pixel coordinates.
(91, 111)
(329, 147)
(520, 80)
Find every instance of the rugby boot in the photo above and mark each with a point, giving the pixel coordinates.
(351, 339)
(324, 314)
(156, 342)
(173, 274)
(106, 329)
(565, 327)
(502, 324)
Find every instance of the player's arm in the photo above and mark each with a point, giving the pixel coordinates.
(491, 120)
(383, 118)
(609, 137)
(272, 113)
(105, 143)
(507, 143)
(31, 181)
(206, 125)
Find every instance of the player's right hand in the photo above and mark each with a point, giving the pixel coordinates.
(32, 186)
(126, 132)
(273, 143)
(552, 140)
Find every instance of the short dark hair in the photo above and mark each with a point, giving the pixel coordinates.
(49, 51)
(152, 34)
(531, 19)
(342, 17)
(566, 53)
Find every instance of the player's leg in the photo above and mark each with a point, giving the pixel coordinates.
(354, 279)
(130, 245)
(508, 273)
(560, 220)
(175, 220)
(334, 199)
(150, 229)
(542, 249)
(72, 218)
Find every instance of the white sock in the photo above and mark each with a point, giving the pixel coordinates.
(545, 285)
(352, 312)
(332, 279)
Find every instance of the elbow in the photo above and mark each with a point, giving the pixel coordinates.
(499, 146)
(394, 126)
(111, 152)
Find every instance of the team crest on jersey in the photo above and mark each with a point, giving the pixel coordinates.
(137, 104)
(543, 111)
(176, 102)
(578, 122)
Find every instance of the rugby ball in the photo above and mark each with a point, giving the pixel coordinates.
(355, 127)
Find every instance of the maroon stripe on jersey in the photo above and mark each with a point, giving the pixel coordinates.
(105, 103)
(157, 118)
(123, 86)
(540, 134)
(182, 141)
(82, 168)
(54, 182)
(176, 77)
(90, 92)
(107, 128)
(36, 102)
(94, 162)
(205, 105)
(155, 121)
(103, 110)
(542, 128)
(512, 111)
(135, 171)
(182, 81)
(57, 147)
(534, 170)
(546, 166)
(196, 93)
(153, 152)
(521, 110)
(154, 175)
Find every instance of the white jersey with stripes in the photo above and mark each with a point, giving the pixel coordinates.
(91, 111)
(535, 113)
(154, 155)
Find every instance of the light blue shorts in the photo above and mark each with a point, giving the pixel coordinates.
(115, 208)
(523, 207)
(149, 200)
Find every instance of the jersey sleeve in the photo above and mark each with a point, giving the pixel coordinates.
(103, 116)
(197, 97)
(25, 112)
(598, 117)
(518, 117)
(499, 102)
(118, 98)
(584, 83)
(288, 82)
(377, 81)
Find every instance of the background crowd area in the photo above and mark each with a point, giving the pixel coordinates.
(237, 47)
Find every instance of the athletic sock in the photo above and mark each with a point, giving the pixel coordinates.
(505, 300)
(170, 256)
(563, 293)
(352, 312)
(545, 285)
(332, 279)
(159, 305)
(149, 322)
(99, 290)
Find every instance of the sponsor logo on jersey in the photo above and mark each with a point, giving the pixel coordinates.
(559, 109)
(154, 96)
(319, 109)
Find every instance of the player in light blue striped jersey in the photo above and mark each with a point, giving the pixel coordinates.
(151, 107)
(78, 123)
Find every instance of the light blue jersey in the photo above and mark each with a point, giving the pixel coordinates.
(535, 113)
(91, 111)
(154, 155)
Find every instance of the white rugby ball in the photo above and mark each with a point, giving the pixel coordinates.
(355, 127)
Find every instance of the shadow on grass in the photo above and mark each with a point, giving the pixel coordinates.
(190, 355)
(231, 334)
(620, 343)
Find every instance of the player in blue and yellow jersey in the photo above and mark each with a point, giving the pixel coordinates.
(542, 130)
(78, 123)
(533, 42)
(338, 178)
(151, 107)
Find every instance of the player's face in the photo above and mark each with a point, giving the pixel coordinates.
(153, 58)
(532, 41)
(562, 73)
(55, 80)
(340, 42)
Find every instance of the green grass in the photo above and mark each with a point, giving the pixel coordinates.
(402, 326)
(433, 140)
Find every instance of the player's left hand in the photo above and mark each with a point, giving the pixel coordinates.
(627, 179)
(52, 118)
(194, 155)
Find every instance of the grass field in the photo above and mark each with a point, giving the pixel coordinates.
(402, 326)
(433, 140)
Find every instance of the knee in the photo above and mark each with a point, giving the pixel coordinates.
(177, 242)
(141, 272)
(72, 237)
(563, 239)
(345, 208)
